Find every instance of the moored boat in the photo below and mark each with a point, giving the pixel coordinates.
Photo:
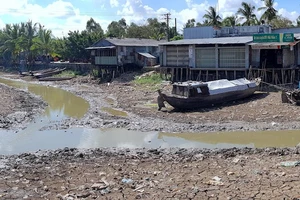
(195, 94)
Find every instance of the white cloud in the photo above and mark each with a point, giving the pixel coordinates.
(114, 3)
(61, 15)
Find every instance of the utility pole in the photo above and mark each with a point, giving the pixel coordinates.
(167, 18)
(175, 27)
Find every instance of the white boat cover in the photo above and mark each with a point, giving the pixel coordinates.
(224, 85)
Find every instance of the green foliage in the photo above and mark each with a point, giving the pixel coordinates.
(270, 12)
(212, 17)
(150, 80)
(281, 22)
(177, 37)
(66, 73)
(247, 13)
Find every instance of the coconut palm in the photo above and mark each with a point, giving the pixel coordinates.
(230, 21)
(10, 42)
(247, 13)
(270, 12)
(212, 17)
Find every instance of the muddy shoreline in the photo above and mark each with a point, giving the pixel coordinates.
(174, 173)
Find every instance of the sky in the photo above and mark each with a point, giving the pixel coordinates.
(62, 16)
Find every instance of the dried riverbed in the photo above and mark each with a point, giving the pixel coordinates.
(158, 173)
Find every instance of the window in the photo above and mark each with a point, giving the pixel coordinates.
(205, 58)
(232, 57)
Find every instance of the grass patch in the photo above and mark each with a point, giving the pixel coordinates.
(66, 73)
(151, 80)
(148, 79)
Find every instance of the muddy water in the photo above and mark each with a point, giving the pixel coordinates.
(60, 103)
(63, 104)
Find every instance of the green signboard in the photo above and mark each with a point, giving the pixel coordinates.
(288, 37)
(273, 37)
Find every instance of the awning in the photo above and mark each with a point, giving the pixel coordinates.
(147, 55)
(107, 47)
(271, 45)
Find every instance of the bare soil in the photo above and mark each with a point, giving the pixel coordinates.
(157, 173)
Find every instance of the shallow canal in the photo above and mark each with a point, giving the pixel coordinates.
(63, 104)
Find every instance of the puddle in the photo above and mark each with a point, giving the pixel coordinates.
(61, 103)
(64, 104)
(114, 112)
(259, 139)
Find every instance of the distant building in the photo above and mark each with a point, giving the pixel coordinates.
(112, 52)
(213, 32)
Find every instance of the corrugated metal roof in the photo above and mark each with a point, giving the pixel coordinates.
(106, 47)
(147, 55)
(133, 42)
(220, 40)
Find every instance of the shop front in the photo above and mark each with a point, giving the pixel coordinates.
(275, 50)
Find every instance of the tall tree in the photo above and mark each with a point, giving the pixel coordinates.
(270, 12)
(10, 43)
(156, 29)
(136, 31)
(43, 43)
(281, 22)
(247, 13)
(117, 28)
(190, 23)
(230, 21)
(93, 26)
(212, 17)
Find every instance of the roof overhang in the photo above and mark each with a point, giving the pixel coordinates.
(94, 48)
(147, 55)
(271, 45)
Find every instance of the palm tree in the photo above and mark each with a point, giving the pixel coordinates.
(247, 12)
(10, 42)
(212, 17)
(43, 43)
(270, 12)
(230, 21)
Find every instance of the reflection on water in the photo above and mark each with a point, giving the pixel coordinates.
(64, 104)
(259, 139)
(60, 102)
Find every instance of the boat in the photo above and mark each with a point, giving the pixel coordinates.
(194, 94)
(48, 73)
(55, 78)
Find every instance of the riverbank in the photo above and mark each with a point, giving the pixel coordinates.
(18, 107)
(158, 173)
(123, 104)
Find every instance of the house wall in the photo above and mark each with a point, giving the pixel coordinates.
(288, 58)
(177, 56)
(211, 56)
(106, 57)
(255, 58)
